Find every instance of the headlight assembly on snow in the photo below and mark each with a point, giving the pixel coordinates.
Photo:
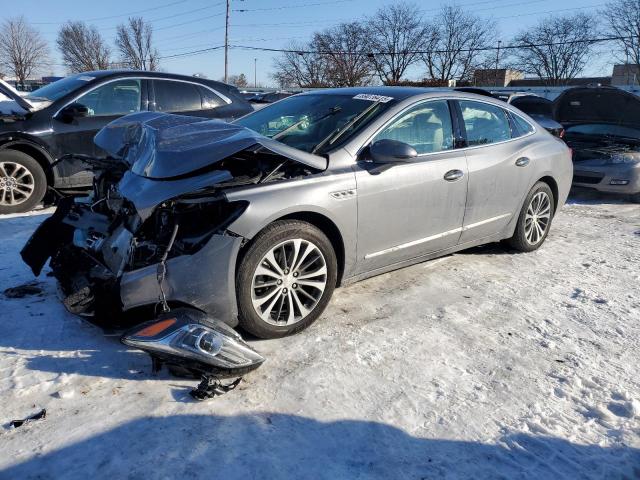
(207, 347)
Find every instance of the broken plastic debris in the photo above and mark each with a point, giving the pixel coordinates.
(211, 387)
(41, 415)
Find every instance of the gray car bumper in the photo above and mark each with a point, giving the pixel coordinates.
(614, 178)
(204, 280)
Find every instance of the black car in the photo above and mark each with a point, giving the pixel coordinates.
(63, 117)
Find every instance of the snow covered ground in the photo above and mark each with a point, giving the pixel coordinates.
(483, 364)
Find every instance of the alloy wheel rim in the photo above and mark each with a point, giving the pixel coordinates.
(537, 218)
(16, 184)
(289, 282)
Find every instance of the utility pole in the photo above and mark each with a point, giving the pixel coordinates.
(226, 45)
(497, 60)
(255, 73)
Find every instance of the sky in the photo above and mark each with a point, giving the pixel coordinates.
(187, 25)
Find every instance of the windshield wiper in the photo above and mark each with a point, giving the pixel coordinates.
(331, 112)
(337, 133)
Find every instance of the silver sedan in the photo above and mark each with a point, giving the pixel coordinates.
(255, 223)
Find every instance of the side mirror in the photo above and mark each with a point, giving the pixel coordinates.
(392, 151)
(73, 110)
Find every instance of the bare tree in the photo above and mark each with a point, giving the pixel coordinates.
(82, 48)
(239, 81)
(556, 49)
(454, 46)
(344, 47)
(395, 34)
(22, 50)
(300, 66)
(622, 19)
(134, 42)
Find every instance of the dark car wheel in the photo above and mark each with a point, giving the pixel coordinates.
(535, 219)
(635, 198)
(285, 279)
(22, 182)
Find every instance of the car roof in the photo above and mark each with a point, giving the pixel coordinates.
(399, 93)
(101, 74)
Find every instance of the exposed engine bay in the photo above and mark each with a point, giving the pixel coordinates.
(151, 242)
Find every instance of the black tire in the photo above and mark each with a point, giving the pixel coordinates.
(274, 234)
(519, 239)
(635, 198)
(39, 182)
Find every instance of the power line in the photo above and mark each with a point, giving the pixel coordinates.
(546, 12)
(415, 52)
(111, 17)
(424, 52)
(288, 7)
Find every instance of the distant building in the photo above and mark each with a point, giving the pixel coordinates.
(574, 82)
(492, 77)
(625, 74)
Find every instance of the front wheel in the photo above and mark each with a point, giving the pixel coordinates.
(23, 183)
(285, 279)
(535, 218)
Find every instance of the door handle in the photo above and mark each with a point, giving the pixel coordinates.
(453, 175)
(522, 162)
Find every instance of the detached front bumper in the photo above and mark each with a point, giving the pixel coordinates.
(612, 178)
(89, 259)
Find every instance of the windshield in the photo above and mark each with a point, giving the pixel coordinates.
(59, 89)
(603, 129)
(316, 123)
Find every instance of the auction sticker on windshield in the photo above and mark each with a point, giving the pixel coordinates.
(373, 98)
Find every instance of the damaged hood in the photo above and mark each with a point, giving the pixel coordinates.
(597, 105)
(163, 146)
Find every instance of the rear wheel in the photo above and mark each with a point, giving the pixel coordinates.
(285, 279)
(535, 218)
(23, 182)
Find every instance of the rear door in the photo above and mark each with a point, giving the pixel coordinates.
(187, 98)
(498, 170)
(415, 208)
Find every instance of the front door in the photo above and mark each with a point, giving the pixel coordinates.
(104, 103)
(408, 210)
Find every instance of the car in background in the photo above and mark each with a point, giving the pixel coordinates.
(602, 127)
(61, 118)
(260, 100)
(537, 107)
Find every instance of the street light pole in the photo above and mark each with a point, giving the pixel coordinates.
(255, 73)
(497, 60)
(226, 45)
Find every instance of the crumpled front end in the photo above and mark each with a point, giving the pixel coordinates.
(109, 261)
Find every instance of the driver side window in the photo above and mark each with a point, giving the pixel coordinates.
(426, 127)
(115, 98)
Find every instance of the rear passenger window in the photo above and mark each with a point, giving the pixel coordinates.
(484, 123)
(209, 99)
(176, 96)
(426, 127)
(523, 127)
